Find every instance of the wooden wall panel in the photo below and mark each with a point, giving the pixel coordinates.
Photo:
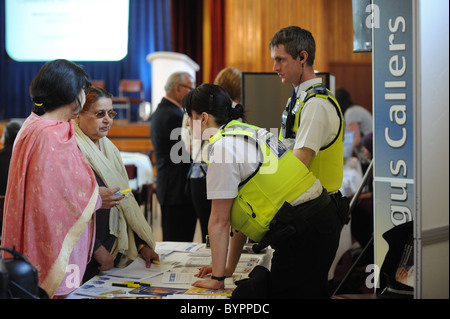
(356, 77)
(250, 24)
(341, 31)
(131, 137)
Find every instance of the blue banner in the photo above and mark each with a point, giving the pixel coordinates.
(393, 112)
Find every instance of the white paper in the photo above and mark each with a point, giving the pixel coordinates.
(176, 277)
(198, 261)
(178, 246)
(138, 271)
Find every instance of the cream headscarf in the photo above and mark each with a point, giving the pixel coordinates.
(127, 216)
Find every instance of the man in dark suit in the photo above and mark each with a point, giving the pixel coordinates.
(173, 161)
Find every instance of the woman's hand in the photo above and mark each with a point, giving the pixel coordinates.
(109, 200)
(104, 258)
(204, 271)
(148, 255)
(209, 283)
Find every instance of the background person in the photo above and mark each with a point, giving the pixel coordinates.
(173, 161)
(354, 113)
(358, 120)
(231, 80)
(121, 231)
(8, 137)
(362, 215)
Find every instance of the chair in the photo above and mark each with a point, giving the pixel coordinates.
(148, 190)
(99, 83)
(144, 193)
(399, 259)
(132, 175)
(131, 172)
(132, 88)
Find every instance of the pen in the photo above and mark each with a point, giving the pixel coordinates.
(138, 283)
(156, 262)
(125, 285)
(123, 192)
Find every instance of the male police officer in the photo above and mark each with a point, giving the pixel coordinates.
(312, 122)
(312, 125)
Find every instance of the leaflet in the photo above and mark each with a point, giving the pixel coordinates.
(172, 277)
(138, 271)
(177, 246)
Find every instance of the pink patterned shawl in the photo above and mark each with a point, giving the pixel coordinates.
(50, 199)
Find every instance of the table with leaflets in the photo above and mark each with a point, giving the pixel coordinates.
(172, 278)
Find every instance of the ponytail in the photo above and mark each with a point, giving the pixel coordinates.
(237, 112)
(214, 100)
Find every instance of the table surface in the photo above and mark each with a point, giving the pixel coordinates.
(170, 279)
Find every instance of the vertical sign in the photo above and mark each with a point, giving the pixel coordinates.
(393, 66)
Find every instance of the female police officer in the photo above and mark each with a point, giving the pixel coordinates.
(262, 191)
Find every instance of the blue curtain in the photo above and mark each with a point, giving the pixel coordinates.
(149, 31)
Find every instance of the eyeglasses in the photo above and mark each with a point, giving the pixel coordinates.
(187, 86)
(101, 114)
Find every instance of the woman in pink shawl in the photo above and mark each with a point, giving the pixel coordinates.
(52, 192)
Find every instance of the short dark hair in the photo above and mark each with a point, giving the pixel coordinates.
(214, 100)
(295, 40)
(57, 83)
(10, 132)
(344, 99)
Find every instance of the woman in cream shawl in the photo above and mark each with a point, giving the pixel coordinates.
(124, 232)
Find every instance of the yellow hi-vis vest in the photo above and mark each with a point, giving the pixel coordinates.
(328, 164)
(281, 177)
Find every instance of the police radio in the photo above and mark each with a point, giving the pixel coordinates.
(18, 278)
(288, 117)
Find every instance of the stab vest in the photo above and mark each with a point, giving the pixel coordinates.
(281, 177)
(328, 163)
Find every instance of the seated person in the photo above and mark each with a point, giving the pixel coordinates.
(122, 231)
(362, 215)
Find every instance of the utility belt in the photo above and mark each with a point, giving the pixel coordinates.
(343, 206)
(290, 220)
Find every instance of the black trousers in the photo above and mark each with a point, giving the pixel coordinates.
(178, 222)
(300, 264)
(201, 204)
